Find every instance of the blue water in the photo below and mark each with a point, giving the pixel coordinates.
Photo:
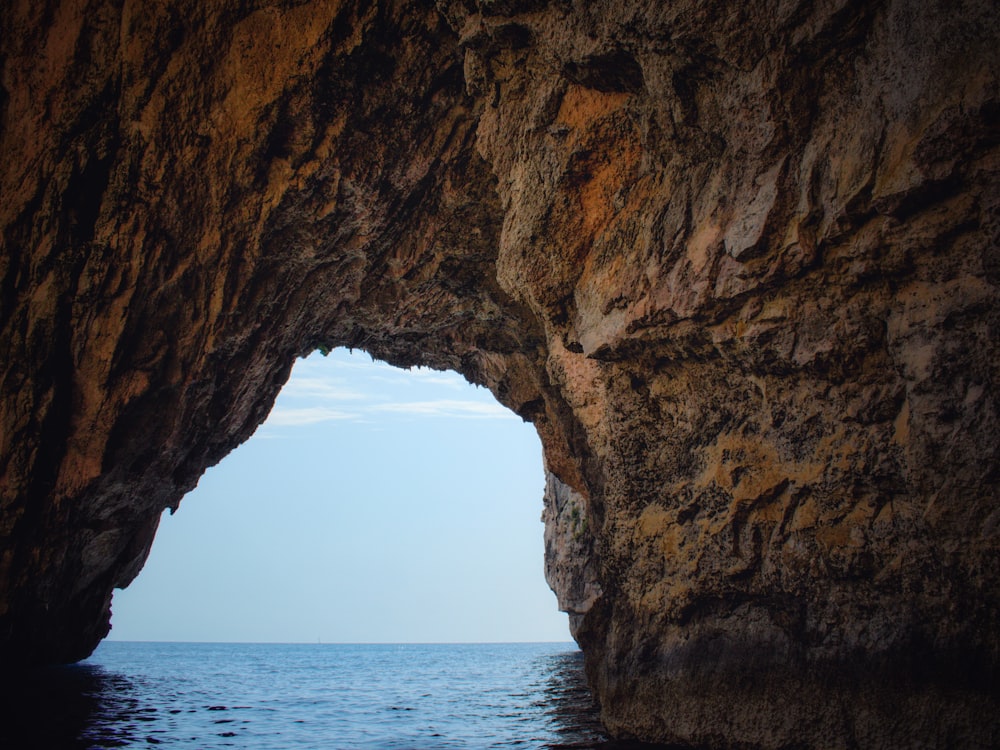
(385, 697)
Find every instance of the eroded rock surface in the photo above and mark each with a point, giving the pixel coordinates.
(737, 262)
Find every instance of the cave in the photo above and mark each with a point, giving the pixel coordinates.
(738, 263)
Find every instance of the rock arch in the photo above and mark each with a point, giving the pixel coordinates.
(738, 265)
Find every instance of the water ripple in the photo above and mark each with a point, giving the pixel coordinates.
(370, 697)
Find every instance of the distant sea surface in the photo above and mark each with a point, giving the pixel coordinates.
(383, 697)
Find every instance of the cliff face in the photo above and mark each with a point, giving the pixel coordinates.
(737, 262)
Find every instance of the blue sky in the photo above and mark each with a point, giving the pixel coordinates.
(374, 505)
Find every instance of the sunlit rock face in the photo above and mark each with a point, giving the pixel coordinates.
(737, 262)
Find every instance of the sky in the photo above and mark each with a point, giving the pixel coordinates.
(375, 505)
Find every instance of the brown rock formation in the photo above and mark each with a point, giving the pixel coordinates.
(737, 262)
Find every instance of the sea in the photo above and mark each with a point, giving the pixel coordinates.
(285, 696)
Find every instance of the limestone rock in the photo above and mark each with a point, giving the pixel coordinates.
(737, 262)
(571, 563)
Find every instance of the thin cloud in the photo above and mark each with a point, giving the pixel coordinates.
(313, 378)
(437, 377)
(375, 392)
(283, 416)
(447, 408)
(320, 388)
(417, 377)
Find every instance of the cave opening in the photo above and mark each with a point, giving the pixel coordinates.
(373, 505)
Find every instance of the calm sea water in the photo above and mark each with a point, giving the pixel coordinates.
(388, 697)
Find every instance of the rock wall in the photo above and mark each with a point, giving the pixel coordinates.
(737, 262)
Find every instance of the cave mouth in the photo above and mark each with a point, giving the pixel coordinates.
(374, 504)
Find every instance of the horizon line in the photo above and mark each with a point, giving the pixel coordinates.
(340, 643)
